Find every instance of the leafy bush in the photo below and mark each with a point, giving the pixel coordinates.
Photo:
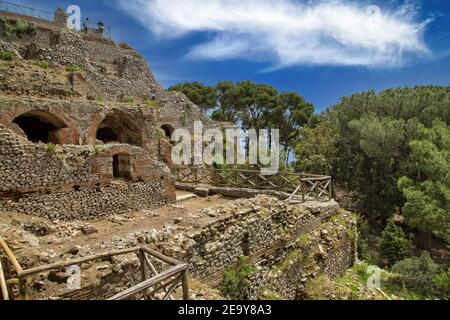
(235, 283)
(7, 55)
(42, 64)
(423, 267)
(393, 245)
(18, 27)
(442, 281)
(23, 27)
(100, 99)
(416, 274)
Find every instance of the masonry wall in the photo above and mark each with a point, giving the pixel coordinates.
(75, 182)
(297, 241)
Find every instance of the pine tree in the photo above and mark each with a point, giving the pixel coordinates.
(394, 246)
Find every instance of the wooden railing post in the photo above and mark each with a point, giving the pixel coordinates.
(331, 189)
(303, 191)
(185, 281)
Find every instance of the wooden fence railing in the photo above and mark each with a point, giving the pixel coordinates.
(311, 187)
(153, 281)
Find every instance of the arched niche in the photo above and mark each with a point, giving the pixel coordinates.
(119, 128)
(42, 126)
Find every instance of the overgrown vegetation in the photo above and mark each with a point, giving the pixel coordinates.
(7, 55)
(394, 246)
(235, 283)
(17, 27)
(391, 148)
(41, 63)
(74, 69)
(126, 100)
(152, 103)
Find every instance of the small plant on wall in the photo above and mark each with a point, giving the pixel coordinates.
(7, 55)
(51, 147)
(42, 64)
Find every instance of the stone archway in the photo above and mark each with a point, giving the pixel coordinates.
(42, 126)
(58, 126)
(115, 127)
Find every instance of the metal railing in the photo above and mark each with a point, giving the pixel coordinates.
(26, 11)
(9, 7)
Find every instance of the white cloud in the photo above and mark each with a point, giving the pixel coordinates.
(290, 32)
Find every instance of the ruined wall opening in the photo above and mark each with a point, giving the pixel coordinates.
(245, 245)
(122, 166)
(120, 128)
(168, 130)
(39, 126)
(107, 135)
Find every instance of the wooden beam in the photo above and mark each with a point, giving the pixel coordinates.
(11, 256)
(172, 288)
(3, 287)
(63, 264)
(161, 257)
(131, 292)
(185, 281)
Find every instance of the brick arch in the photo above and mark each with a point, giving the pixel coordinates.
(69, 136)
(122, 119)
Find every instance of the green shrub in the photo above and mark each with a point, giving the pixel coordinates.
(422, 267)
(73, 69)
(23, 27)
(394, 246)
(42, 64)
(128, 100)
(416, 274)
(152, 103)
(363, 240)
(51, 147)
(7, 55)
(101, 99)
(442, 281)
(235, 283)
(18, 27)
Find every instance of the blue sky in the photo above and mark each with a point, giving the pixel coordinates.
(319, 49)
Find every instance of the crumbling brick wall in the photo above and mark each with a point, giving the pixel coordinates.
(74, 182)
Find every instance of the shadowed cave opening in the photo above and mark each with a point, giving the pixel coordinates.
(120, 128)
(39, 127)
(107, 135)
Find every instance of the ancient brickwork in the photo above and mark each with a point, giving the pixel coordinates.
(72, 182)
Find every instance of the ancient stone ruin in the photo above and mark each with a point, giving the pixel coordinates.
(85, 169)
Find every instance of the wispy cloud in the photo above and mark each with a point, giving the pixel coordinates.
(289, 32)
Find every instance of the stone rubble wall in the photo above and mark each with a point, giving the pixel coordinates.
(113, 70)
(90, 204)
(266, 231)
